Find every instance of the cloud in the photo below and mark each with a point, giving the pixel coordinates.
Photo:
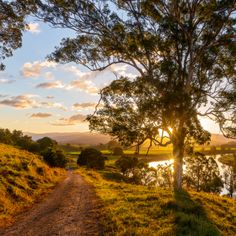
(21, 101)
(49, 76)
(85, 86)
(6, 81)
(118, 69)
(34, 69)
(53, 105)
(50, 97)
(40, 115)
(82, 75)
(33, 28)
(121, 70)
(73, 120)
(85, 105)
(51, 85)
(30, 101)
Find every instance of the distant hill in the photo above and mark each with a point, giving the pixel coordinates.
(88, 138)
(218, 139)
(74, 137)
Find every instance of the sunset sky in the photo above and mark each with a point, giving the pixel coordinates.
(41, 96)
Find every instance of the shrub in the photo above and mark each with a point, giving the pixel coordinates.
(164, 175)
(91, 158)
(126, 164)
(54, 158)
(118, 151)
(136, 171)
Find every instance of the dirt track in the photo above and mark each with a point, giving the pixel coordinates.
(71, 209)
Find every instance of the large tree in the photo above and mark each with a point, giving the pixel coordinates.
(186, 49)
(12, 24)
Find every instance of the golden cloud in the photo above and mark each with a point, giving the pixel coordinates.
(40, 115)
(73, 120)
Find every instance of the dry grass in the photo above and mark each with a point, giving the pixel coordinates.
(140, 210)
(23, 178)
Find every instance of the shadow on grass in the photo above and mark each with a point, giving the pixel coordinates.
(190, 217)
(112, 176)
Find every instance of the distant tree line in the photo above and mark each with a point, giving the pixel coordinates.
(46, 146)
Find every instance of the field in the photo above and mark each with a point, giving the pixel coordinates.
(141, 210)
(159, 154)
(23, 179)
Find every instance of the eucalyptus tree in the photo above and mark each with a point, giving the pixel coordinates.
(12, 24)
(186, 49)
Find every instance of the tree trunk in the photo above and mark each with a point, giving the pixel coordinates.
(178, 153)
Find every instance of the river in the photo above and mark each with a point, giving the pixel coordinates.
(224, 191)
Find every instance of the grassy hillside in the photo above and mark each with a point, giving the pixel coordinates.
(140, 210)
(23, 177)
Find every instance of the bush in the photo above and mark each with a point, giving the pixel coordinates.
(164, 175)
(54, 158)
(91, 158)
(126, 164)
(136, 171)
(118, 151)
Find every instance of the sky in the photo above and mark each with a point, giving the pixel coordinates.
(40, 96)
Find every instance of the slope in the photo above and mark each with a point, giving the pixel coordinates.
(23, 177)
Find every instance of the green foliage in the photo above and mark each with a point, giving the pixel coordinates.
(12, 24)
(164, 176)
(229, 176)
(45, 143)
(184, 54)
(54, 157)
(136, 171)
(46, 146)
(202, 174)
(16, 138)
(126, 163)
(91, 158)
(118, 151)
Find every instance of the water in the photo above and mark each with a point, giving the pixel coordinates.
(221, 166)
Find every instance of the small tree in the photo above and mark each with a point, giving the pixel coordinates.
(91, 158)
(136, 171)
(54, 158)
(202, 173)
(213, 150)
(164, 176)
(229, 176)
(45, 143)
(118, 151)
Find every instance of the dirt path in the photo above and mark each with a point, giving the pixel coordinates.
(71, 209)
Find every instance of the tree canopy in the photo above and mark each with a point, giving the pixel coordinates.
(184, 51)
(12, 24)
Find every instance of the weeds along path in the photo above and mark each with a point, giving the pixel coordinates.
(71, 209)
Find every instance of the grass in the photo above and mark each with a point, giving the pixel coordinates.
(24, 177)
(141, 210)
(228, 159)
(161, 151)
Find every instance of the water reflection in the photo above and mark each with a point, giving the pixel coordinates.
(221, 167)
